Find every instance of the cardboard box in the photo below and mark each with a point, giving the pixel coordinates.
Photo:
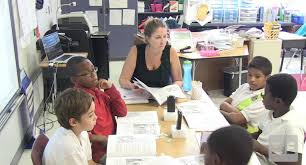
(173, 6)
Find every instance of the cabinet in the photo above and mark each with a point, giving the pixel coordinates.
(270, 49)
(100, 49)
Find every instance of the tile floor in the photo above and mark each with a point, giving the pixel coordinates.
(216, 96)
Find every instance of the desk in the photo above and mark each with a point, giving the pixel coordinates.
(290, 40)
(50, 75)
(234, 53)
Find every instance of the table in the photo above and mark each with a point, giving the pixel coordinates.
(176, 147)
(290, 40)
(233, 53)
(167, 145)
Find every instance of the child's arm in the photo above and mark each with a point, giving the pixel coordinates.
(255, 135)
(98, 138)
(234, 117)
(227, 106)
(265, 151)
(117, 104)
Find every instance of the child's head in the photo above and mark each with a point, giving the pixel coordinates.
(259, 69)
(82, 72)
(229, 146)
(75, 108)
(280, 91)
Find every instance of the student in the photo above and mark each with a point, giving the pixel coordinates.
(228, 146)
(70, 144)
(154, 63)
(108, 103)
(280, 125)
(244, 107)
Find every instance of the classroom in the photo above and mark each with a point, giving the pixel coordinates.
(126, 82)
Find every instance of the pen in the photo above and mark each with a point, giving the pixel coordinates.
(179, 120)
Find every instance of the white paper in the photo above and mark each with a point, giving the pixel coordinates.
(92, 15)
(27, 17)
(128, 17)
(130, 97)
(115, 17)
(128, 160)
(95, 29)
(95, 2)
(131, 146)
(139, 123)
(202, 116)
(118, 3)
(192, 160)
(161, 94)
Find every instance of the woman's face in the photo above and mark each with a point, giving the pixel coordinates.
(158, 39)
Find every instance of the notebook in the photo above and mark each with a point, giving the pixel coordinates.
(53, 49)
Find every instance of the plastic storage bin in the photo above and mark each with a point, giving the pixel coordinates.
(217, 15)
(230, 15)
(231, 79)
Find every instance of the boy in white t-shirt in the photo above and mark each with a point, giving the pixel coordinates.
(281, 136)
(244, 107)
(70, 144)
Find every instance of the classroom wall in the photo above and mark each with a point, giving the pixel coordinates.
(29, 59)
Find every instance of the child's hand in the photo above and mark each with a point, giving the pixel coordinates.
(104, 84)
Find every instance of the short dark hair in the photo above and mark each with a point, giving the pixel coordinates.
(283, 86)
(232, 144)
(71, 103)
(262, 64)
(152, 24)
(72, 63)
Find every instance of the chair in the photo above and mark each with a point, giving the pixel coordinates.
(298, 52)
(38, 149)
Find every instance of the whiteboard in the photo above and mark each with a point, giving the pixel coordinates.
(8, 68)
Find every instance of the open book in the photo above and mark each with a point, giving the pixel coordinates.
(130, 97)
(202, 116)
(139, 123)
(129, 150)
(161, 94)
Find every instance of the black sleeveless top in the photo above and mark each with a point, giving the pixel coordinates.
(159, 77)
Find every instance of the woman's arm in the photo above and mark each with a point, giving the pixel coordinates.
(176, 70)
(128, 69)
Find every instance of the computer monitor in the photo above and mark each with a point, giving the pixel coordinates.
(52, 46)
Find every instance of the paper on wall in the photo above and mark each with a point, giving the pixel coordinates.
(95, 2)
(128, 17)
(118, 4)
(115, 17)
(92, 15)
(28, 21)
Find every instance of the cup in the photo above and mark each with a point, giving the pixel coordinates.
(196, 91)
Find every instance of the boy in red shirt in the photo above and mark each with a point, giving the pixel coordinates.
(108, 103)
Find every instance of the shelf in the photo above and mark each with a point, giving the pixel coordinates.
(160, 13)
(224, 24)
